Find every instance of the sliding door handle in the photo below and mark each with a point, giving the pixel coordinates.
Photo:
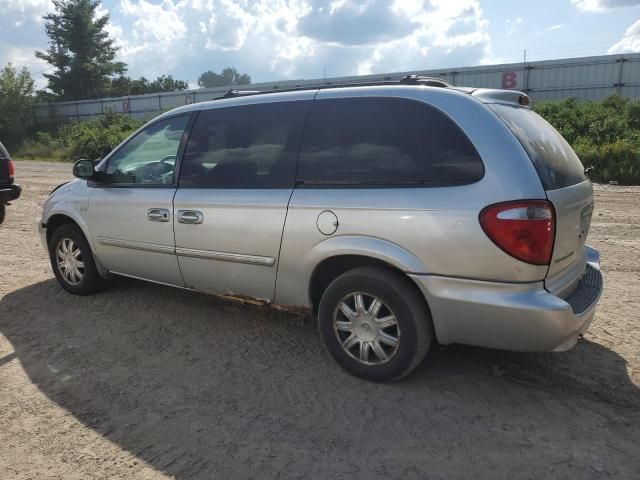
(192, 217)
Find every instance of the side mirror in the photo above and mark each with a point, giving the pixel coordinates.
(84, 169)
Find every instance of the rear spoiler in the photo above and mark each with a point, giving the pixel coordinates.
(509, 97)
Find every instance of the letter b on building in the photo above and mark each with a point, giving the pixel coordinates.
(509, 79)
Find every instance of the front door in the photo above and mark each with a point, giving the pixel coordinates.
(236, 178)
(131, 208)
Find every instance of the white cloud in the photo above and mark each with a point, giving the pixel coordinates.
(630, 42)
(26, 9)
(297, 38)
(455, 30)
(279, 38)
(603, 5)
(352, 22)
(20, 17)
(513, 25)
(21, 33)
(554, 27)
(157, 23)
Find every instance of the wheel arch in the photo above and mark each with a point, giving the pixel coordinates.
(341, 254)
(57, 219)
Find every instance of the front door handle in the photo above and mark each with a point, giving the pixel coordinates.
(190, 216)
(158, 215)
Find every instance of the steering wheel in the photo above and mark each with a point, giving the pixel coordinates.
(167, 158)
(152, 172)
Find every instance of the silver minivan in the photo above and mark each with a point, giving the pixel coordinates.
(399, 213)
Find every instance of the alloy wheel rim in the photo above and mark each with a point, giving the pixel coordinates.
(70, 261)
(367, 329)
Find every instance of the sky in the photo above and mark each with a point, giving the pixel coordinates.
(295, 39)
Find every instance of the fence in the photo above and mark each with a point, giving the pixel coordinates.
(588, 78)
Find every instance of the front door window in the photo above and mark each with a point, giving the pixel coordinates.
(149, 158)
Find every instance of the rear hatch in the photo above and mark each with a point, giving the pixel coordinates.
(562, 176)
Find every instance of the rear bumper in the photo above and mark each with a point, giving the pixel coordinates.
(511, 316)
(9, 193)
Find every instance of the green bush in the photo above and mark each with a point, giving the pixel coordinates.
(91, 139)
(95, 138)
(619, 160)
(604, 134)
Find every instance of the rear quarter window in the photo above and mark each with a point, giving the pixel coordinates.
(384, 141)
(557, 164)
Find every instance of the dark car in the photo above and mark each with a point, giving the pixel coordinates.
(8, 190)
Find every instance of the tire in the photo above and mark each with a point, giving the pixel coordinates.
(401, 301)
(2, 213)
(90, 281)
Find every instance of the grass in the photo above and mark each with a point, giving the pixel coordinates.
(37, 150)
(39, 159)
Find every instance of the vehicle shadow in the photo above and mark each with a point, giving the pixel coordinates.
(200, 387)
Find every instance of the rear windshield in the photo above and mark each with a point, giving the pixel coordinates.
(555, 161)
(3, 152)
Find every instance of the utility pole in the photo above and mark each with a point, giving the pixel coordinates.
(525, 71)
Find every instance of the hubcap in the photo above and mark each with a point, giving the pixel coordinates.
(70, 261)
(366, 328)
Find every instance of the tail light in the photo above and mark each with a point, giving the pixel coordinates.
(12, 169)
(524, 229)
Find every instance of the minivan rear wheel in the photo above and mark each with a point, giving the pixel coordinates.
(375, 323)
(72, 261)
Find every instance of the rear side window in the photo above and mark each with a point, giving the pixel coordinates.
(249, 146)
(384, 141)
(555, 161)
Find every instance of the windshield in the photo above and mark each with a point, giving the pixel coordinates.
(555, 161)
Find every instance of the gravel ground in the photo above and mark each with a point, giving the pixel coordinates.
(144, 381)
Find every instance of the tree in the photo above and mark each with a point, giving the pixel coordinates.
(122, 85)
(81, 51)
(166, 83)
(16, 102)
(228, 76)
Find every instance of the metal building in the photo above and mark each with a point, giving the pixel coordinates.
(586, 78)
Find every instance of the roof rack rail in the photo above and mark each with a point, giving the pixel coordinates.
(232, 93)
(406, 80)
(424, 80)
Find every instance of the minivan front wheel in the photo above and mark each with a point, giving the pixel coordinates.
(72, 261)
(375, 323)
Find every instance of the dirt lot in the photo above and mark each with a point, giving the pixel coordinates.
(143, 381)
